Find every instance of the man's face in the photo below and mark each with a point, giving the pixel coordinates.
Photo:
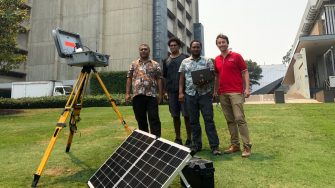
(196, 49)
(222, 44)
(144, 52)
(174, 47)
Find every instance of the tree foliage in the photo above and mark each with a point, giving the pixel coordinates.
(286, 58)
(12, 14)
(255, 72)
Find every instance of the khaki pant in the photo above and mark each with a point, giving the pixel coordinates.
(232, 106)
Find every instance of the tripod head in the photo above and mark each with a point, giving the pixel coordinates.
(69, 46)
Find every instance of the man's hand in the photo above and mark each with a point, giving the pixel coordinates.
(215, 97)
(159, 98)
(246, 93)
(166, 96)
(181, 97)
(127, 98)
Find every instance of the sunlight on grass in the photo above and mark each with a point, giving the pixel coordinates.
(292, 146)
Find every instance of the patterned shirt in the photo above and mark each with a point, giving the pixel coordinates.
(187, 66)
(144, 77)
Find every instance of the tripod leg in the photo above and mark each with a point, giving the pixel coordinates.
(76, 112)
(60, 125)
(112, 101)
(73, 125)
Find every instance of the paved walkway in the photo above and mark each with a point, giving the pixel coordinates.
(269, 99)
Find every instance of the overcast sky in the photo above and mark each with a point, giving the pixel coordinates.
(260, 30)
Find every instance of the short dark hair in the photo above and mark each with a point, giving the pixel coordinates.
(174, 39)
(195, 40)
(222, 36)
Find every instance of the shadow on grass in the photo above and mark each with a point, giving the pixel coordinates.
(78, 178)
(257, 157)
(78, 162)
(4, 112)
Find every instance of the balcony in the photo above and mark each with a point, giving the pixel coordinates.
(181, 24)
(180, 6)
(188, 16)
(170, 14)
(188, 32)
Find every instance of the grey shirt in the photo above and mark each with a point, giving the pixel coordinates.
(171, 74)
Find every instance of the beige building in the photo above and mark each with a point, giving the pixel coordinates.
(311, 72)
(113, 27)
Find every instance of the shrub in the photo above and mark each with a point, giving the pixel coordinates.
(115, 82)
(58, 102)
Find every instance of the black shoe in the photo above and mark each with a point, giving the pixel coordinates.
(178, 141)
(194, 150)
(216, 151)
(188, 143)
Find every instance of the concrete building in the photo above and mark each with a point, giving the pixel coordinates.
(311, 72)
(113, 27)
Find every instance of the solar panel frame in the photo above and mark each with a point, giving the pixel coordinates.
(157, 166)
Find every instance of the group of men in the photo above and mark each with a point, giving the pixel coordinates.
(149, 84)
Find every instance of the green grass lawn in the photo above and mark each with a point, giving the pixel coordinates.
(292, 146)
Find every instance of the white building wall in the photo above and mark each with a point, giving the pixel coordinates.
(301, 85)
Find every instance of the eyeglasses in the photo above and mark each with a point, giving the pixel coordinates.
(173, 45)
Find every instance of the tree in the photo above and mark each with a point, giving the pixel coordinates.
(287, 58)
(255, 72)
(12, 14)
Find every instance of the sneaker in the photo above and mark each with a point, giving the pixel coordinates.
(178, 141)
(247, 150)
(232, 149)
(216, 151)
(188, 143)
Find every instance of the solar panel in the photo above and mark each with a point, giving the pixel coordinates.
(142, 160)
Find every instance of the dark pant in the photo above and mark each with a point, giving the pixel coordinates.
(202, 103)
(175, 106)
(145, 108)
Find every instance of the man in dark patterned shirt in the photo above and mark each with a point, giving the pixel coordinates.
(144, 76)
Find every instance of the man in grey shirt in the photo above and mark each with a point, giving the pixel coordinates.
(170, 73)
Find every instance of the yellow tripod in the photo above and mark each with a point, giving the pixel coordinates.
(73, 107)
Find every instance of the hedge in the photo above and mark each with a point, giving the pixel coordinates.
(115, 82)
(58, 102)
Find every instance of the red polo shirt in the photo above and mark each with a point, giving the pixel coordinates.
(230, 73)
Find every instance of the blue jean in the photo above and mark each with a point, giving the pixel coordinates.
(203, 104)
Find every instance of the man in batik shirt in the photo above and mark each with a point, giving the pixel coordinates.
(144, 77)
(198, 98)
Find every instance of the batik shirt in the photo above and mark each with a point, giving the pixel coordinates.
(144, 77)
(187, 66)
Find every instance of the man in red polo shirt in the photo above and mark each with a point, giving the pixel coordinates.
(232, 86)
